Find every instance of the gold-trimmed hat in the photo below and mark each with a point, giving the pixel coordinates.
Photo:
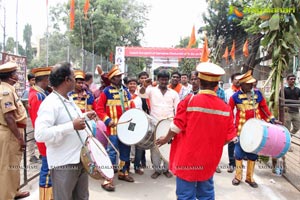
(8, 67)
(115, 71)
(209, 71)
(246, 78)
(41, 71)
(79, 74)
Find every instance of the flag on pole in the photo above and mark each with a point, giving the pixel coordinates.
(86, 8)
(192, 41)
(225, 55)
(245, 49)
(232, 52)
(72, 14)
(111, 57)
(205, 52)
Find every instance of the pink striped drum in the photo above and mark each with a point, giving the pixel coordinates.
(260, 137)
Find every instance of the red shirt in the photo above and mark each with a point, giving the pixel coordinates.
(206, 124)
(35, 99)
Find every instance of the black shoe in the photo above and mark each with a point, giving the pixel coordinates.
(230, 169)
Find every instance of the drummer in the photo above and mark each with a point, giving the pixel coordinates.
(113, 102)
(163, 101)
(249, 103)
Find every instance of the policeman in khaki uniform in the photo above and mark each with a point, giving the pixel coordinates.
(12, 123)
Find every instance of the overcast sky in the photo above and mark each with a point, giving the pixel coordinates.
(169, 20)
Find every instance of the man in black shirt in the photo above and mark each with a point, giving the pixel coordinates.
(292, 113)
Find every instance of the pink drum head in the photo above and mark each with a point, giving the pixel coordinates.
(252, 135)
(100, 157)
(162, 129)
(133, 131)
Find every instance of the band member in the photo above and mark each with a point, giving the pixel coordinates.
(201, 127)
(113, 102)
(60, 125)
(37, 94)
(12, 123)
(83, 98)
(249, 104)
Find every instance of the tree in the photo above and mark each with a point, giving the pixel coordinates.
(27, 33)
(281, 39)
(110, 24)
(221, 30)
(10, 45)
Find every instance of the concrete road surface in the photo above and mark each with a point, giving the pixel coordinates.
(271, 187)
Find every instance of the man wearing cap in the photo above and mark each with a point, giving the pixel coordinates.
(249, 104)
(37, 94)
(83, 98)
(113, 102)
(198, 142)
(12, 123)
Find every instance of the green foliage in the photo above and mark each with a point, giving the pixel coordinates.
(10, 45)
(27, 33)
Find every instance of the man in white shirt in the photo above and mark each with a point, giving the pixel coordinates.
(60, 125)
(163, 101)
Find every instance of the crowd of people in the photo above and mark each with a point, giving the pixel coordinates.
(196, 102)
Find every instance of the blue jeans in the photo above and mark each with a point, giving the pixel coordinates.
(231, 154)
(123, 149)
(202, 190)
(240, 154)
(139, 158)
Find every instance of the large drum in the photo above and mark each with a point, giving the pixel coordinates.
(260, 137)
(134, 128)
(162, 129)
(96, 160)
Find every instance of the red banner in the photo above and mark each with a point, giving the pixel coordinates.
(162, 52)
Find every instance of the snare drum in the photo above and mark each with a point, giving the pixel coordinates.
(260, 137)
(96, 160)
(134, 128)
(162, 129)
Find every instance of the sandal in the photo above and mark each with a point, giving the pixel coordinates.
(126, 178)
(108, 187)
(252, 184)
(21, 195)
(155, 175)
(236, 181)
(168, 174)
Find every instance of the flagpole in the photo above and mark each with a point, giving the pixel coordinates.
(47, 36)
(17, 45)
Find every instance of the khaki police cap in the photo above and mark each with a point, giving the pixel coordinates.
(8, 67)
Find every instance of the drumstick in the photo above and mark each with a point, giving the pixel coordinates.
(125, 122)
(108, 140)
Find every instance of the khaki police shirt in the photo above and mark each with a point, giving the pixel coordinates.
(9, 101)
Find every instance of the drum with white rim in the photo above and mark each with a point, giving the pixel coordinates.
(260, 137)
(162, 129)
(134, 128)
(96, 160)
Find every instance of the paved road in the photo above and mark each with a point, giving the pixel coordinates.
(271, 187)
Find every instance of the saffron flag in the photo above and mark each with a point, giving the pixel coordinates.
(111, 57)
(86, 8)
(205, 52)
(245, 49)
(232, 52)
(225, 55)
(192, 41)
(72, 13)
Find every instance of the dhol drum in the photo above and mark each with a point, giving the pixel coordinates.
(265, 139)
(96, 160)
(134, 128)
(162, 129)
